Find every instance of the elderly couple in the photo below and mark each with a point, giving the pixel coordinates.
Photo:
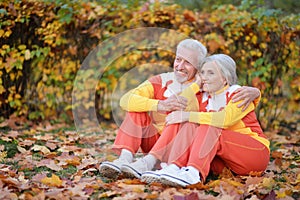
(192, 121)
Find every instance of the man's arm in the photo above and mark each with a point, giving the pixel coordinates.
(247, 95)
(140, 99)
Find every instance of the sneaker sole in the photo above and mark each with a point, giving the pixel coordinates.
(129, 172)
(167, 182)
(172, 181)
(109, 172)
(150, 178)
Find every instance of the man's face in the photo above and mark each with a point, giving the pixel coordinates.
(185, 64)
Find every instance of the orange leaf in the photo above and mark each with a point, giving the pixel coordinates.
(189, 15)
(276, 154)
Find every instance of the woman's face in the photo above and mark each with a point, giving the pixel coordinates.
(212, 77)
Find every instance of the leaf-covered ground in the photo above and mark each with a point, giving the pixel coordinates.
(49, 161)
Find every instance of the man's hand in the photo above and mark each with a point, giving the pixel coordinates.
(177, 117)
(174, 102)
(247, 94)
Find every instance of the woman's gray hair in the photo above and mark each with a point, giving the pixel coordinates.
(226, 64)
(195, 46)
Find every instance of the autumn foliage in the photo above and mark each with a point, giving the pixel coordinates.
(44, 43)
(54, 161)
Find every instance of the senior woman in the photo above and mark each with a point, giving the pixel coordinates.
(225, 135)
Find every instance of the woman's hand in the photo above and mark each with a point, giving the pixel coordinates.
(247, 94)
(177, 117)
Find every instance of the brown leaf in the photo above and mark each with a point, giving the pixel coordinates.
(27, 142)
(86, 162)
(253, 180)
(50, 164)
(276, 154)
(270, 196)
(13, 134)
(51, 145)
(191, 196)
(14, 122)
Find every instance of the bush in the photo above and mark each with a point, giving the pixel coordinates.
(43, 44)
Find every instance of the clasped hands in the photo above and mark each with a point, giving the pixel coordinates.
(174, 104)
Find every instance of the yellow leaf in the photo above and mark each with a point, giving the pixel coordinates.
(90, 104)
(12, 76)
(7, 33)
(214, 183)
(268, 182)
(5, 46)
(292, 46)
(234, 183)
(280, 194)
(263, 45)
(1, 32)
(259, 54)
(2, 89)
(22, 46)
(52, 181)
(27, 54)
(252, 52)
(106, 115)
(254, 39)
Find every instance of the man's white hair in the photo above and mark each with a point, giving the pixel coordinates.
(195, 46)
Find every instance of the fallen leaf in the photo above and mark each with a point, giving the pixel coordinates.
(270, 196)
(13, 134)
(51, 145)
(54, 181)
(191, 196)
(22, 150)
(50, 164)
(40, 148)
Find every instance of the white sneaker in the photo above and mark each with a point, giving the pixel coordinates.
(135, 169)
(154, 176)
(184, 178)
(112, 169)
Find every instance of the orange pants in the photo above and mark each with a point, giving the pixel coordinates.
(209, 148)
(136, 131)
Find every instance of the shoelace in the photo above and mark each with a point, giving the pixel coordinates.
(185, 169)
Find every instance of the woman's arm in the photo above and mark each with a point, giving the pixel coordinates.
(222, 119)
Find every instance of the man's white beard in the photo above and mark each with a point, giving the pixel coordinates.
(180, 79)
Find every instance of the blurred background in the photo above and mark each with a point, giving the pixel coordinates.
(44, 43)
